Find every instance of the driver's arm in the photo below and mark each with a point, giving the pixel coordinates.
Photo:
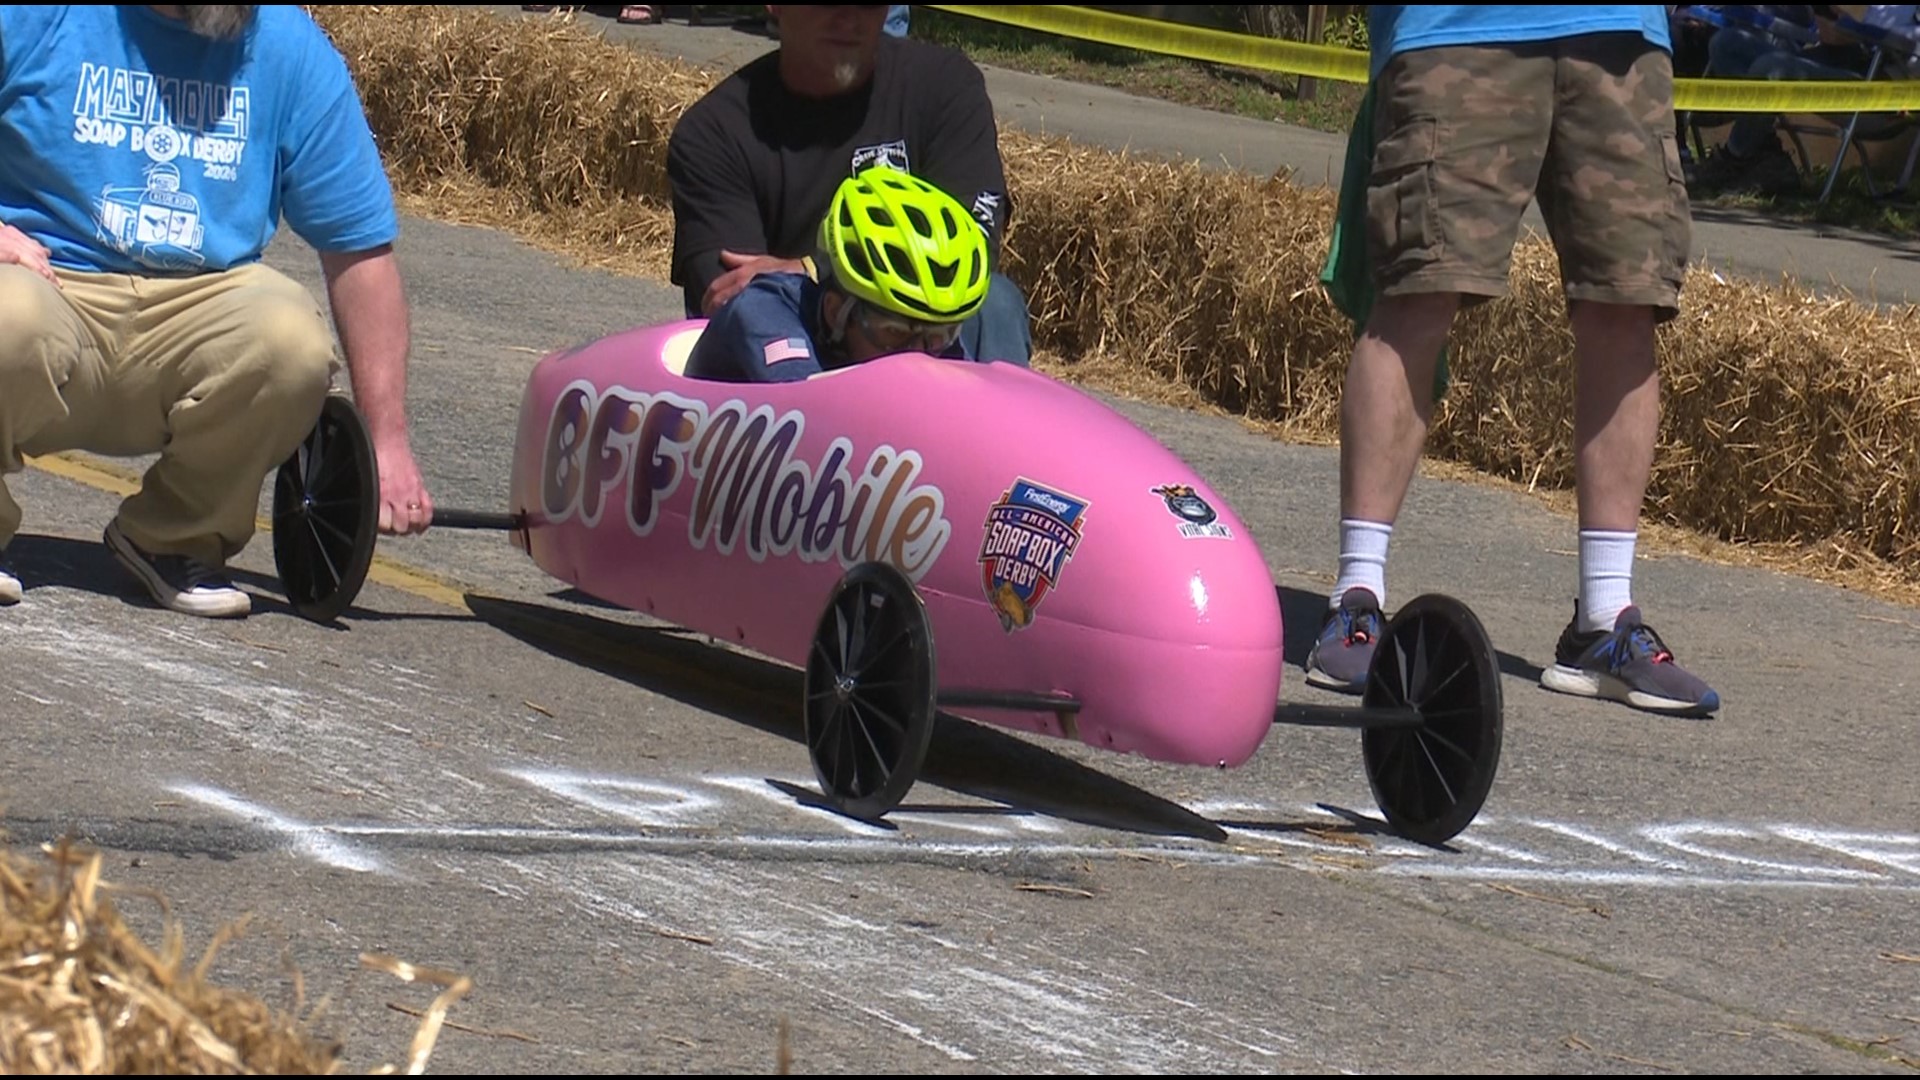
(760, 335)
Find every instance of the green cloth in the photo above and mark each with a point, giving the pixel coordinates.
(1347, 275)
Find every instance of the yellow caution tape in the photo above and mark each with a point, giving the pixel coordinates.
(1174, 39)
(1351, 65)
(1762, 96)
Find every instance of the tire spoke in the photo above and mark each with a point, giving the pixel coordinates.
(879, 756)
(874, 656)
(345, 537)
(1434, 691)
(320, 546)
(1447, 744)
(825, 657)
(1434, 768)
(868, 707)
(330, 472)
(314, 452)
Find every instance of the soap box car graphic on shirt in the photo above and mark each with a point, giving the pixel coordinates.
(922, 534)
(159, 221)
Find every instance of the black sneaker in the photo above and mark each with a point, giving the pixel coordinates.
(1629, 664)
(1344, 650)
(10, 588)
(178, 583)
(1770, 171)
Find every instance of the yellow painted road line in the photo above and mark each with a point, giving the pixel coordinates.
(116, 479)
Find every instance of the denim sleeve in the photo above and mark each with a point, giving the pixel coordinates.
(758, 336)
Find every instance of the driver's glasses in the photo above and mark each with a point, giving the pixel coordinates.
(892, 333)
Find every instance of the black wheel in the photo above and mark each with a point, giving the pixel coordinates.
(326, 507)
(870, 691)
(1430, 780)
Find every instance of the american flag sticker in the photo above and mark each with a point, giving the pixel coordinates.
(792, 348)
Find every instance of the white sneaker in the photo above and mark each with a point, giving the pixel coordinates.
(178, 583)
(10, 589)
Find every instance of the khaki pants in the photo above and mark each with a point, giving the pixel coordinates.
(221, 374)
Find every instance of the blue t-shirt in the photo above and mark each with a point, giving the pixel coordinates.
(129, 144)
(766, 333)
(1392, 30)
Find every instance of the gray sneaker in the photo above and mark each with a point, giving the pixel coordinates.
(1628, 664)
(178, 583)
(1344, 651)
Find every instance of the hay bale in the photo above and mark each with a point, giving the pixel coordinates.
(1205, 277)
(1792, 417)
(1787, 418)
(541, 110)
(521, 123)
(81, 993)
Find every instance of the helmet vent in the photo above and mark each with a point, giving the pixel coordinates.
(903, 265)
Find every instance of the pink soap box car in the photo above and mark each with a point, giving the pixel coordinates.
(925, 535)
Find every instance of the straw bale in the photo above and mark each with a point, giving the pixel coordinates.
(1792, 417)
(511, 121)
(1788, 418)
(80, 992)
(1205, 277)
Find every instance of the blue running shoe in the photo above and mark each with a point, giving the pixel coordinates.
(1628, 664)
(1344, 650)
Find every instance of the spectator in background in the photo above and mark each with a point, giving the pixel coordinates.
(1691, 36)
(754, 164)
(898, 18)
(1812, 44)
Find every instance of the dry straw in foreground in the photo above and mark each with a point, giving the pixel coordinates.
(80, 993)
(1789, 419)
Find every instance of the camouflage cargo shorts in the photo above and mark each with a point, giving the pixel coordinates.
(1466, 136)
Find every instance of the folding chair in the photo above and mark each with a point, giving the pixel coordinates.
(1738, 17)
(1892, 56)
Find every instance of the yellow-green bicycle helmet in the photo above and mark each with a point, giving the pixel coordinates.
(904, 246)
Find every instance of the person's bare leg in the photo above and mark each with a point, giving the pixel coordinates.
(1616, 420)
(1385, 409)
(1388, 402)
(1616, 412)
(1384, 414)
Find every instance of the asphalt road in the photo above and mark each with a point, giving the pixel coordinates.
(604, 821)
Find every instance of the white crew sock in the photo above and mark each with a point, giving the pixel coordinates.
(1363, 559)
(1606, 577)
